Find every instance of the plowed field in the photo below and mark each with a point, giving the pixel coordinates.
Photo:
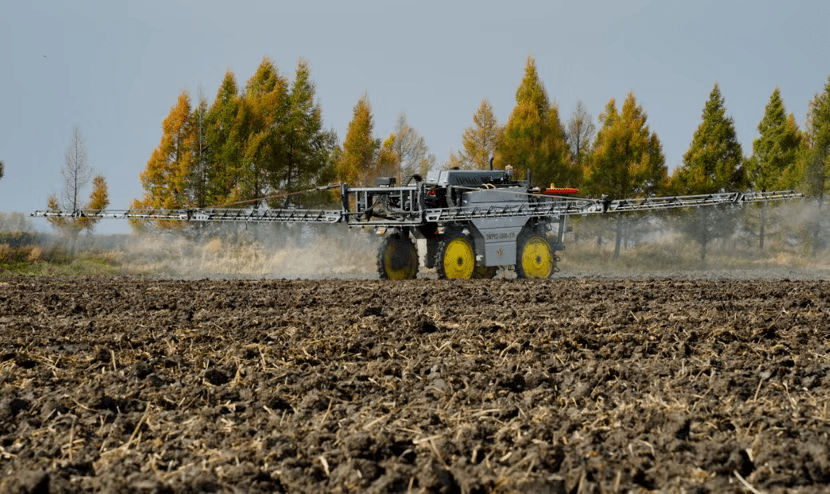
(130, 385)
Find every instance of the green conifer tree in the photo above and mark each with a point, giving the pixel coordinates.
(712, 164)
(774, 152)
(307, 146)
(200, 167)
(713, 161)
(259, 120)
(224, 146)
(793, 175)
(815, 161)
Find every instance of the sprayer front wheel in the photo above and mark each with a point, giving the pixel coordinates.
(456, 258)
(535, 258)
(397, 258)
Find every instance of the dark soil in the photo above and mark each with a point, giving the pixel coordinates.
(129, 385)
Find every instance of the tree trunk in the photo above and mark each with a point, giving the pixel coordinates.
(763, 225)
(703, 229)
(73, 241)
(817, 228)
(618, 242)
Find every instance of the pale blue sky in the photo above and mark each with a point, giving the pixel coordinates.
(114, 68)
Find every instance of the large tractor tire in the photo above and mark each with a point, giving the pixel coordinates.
(534, 257)
(397, 258)
(456, 257)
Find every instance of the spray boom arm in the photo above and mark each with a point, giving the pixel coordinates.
(405, 206)
(472, 221)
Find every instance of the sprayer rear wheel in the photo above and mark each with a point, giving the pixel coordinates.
(535, 258)
(397, 258)
(456, 257)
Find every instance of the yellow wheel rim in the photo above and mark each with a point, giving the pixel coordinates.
(537, 258)
(399, 260)
(459, 261)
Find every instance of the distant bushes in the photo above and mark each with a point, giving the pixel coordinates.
(19, 246)
(19, 239)
(29, 247)
(22, 253)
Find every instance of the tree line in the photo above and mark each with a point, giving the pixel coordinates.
(624, 158)
(248, 144)
(267, 139)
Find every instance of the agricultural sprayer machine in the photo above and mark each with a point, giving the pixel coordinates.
(473, 222)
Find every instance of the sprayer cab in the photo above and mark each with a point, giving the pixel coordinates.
(448, 188)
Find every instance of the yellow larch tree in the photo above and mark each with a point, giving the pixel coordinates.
(168, 172)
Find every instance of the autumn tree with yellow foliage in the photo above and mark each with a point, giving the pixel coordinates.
(98, 201)
(627, 158)
(166, 179)
(358, 162)
(534, 138)
(479, 141)
(244, 148)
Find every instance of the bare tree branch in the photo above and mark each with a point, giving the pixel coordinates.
(580, 132)
(76, 171)
(411, 150)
